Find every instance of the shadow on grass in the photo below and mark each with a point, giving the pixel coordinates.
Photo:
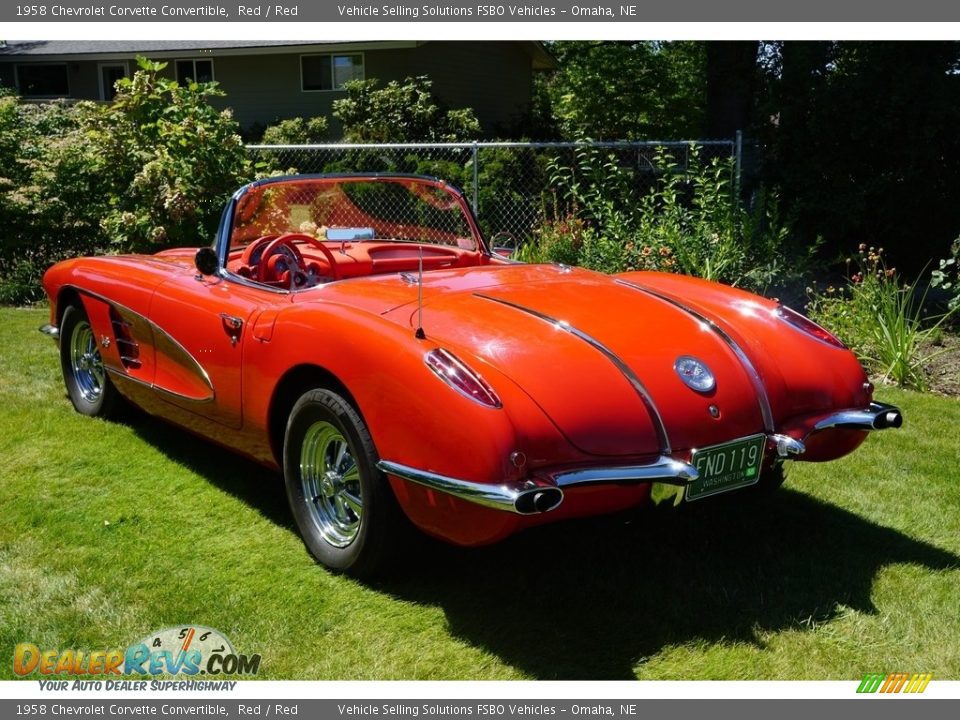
(245, 479)
(590, 599)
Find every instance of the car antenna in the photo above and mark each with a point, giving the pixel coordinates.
(419, 334)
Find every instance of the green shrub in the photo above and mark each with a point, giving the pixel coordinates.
(400, 112)
(559, 240)
(688, 221)
(37, 232)
(947, 276)
(175, 160)
(882, 321)
(151, 170)
(296, 131)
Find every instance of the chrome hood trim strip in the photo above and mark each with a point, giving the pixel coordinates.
(625, 370)
(524, 497)
(763, 400)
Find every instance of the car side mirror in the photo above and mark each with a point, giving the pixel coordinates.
(504, 244)
(206, 260)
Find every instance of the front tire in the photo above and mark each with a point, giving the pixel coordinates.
(342, 504)
(84, 375)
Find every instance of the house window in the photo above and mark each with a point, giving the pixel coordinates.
(198, 71)
(43, 80)
(329, 72)
(6, 76)
(109, 74)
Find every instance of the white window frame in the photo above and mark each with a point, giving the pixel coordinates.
(195, 60)
(104, 95)
(332, 55)
(65, 66)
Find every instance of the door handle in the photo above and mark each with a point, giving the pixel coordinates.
(233, 325)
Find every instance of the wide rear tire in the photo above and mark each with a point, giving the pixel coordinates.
(343, 506)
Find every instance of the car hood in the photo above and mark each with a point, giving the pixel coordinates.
(587, 350)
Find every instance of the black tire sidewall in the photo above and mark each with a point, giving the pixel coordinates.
(364, 553)
(73, 316)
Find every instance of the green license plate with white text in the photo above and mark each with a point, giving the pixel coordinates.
(728, 466)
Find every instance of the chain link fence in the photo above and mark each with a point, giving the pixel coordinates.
(508, 184)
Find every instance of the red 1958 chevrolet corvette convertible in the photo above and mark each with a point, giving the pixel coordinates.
(357, 332)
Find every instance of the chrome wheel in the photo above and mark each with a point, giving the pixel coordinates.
(85, 362)
(330, 480)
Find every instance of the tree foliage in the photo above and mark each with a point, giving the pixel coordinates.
(629, 90)
(401, 112)
(864, 143)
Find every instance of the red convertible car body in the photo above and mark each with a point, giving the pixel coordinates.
(357, 333)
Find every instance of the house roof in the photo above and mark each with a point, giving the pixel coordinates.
(97, 49)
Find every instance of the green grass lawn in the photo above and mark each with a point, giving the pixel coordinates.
(111, 531)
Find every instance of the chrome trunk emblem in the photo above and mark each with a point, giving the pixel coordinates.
(695, 374)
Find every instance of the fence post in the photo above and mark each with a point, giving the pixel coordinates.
(738, 162)
(476, 174)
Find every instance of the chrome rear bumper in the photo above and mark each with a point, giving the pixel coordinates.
(526, 497)
(544, 492)
(663, 470)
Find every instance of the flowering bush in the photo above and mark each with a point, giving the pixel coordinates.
(947, 276)
(882, 321)
(688, 221)
(151, 170)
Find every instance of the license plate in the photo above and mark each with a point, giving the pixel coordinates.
(728, 466)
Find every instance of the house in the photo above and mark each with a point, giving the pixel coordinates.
(266, 81)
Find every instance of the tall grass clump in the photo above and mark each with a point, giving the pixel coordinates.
(883, 320)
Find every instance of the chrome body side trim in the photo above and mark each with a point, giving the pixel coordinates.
(625, 370)
(759, 388)
(50, 331)
(663, 470)
(879, 416)
(122, 376)
(525, 497)
(162, 342)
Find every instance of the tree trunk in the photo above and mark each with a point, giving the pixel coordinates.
(731, 83)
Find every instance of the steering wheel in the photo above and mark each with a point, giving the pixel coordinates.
(277, 258)
(334, 272)
(252, 252)
(257, 254)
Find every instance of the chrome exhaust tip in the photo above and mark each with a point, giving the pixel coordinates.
(887, 417)
(538, 500)
(879, 416)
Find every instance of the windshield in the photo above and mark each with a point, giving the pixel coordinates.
(399, 209)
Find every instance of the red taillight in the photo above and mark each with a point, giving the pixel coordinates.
(461, 378)
(808, 326)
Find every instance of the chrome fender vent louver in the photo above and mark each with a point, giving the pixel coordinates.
(128, 348)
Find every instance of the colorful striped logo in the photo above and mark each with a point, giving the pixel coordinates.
(895, 683)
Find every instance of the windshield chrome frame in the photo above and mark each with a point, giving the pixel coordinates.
(222, 241)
